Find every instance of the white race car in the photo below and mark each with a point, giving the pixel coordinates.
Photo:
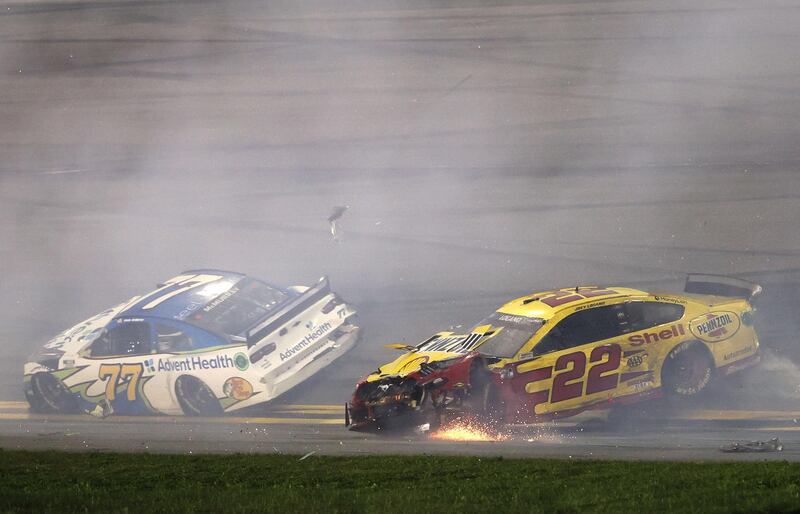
(203, 343)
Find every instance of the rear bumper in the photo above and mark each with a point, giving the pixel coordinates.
(739, 365)
(276, 385)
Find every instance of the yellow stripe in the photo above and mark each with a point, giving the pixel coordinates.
(13, 405)
(171, 419)
(737, 414)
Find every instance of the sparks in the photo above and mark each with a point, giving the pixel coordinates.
(463, 430)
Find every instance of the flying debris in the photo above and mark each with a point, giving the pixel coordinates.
(773, 445)
(307, 455)
(102, 410)
(337, 213)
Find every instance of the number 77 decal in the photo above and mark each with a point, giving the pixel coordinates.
(116, 373)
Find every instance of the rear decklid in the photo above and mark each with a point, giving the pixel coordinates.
(290, 310)
(303, 329)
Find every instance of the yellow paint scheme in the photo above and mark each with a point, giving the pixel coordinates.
(409, 363)
(641, 351)
(662, 339)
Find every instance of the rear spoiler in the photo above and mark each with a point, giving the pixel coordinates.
(720, 285)
(294, 307)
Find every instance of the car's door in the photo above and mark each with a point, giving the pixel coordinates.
(575, 364)
(116, 361)
(653, 328)
(183, 349)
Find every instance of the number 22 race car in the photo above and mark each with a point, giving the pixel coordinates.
(203, 343)
(557, 353)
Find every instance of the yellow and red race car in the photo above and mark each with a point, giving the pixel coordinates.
(557, 353)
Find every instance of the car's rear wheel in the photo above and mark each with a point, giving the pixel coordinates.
(687, 370)
(195, 397)
(50, 395)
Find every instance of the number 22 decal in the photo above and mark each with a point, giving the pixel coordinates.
(119, 372)
(569, 384)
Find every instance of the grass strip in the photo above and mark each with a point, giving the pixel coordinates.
(111, 482)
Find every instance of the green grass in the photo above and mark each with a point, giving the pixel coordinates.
(62, 482)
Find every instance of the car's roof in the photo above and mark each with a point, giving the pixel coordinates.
(547, 304)
(176, 298)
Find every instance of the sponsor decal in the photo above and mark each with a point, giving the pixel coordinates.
(654, 337)
(304, 343)
(514, 319)
(589, 306)
(121, 321)
(737, 353)
(237, 388)
(642, 386)
(221, 298)
(715, 326)
(241, 361)
(636, 360)
(149, 365)
(743, 364)
(639, 381)
(190, 308)
(669, 299)
(196, 363)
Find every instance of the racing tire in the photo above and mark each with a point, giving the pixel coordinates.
(50, 395)
(195, 397)
(687, 370)
(485, 400)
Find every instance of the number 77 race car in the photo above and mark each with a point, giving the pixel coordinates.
(557, 353)
(203, 343)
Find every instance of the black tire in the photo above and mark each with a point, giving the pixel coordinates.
(50, 395)
(687, 370)
(484, 398)
(195, 397)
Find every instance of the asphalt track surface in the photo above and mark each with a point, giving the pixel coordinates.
(485, 150)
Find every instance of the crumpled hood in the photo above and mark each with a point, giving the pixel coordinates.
(409, 363)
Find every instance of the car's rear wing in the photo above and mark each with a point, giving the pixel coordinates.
(720, 285)
(290, 310)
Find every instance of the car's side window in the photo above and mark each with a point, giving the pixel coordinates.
(645, 315)
(584, 327)
(124, 339)
(170, 339)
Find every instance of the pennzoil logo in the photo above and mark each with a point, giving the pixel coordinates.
(715, 326)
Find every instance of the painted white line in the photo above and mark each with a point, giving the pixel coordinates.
(61, 172)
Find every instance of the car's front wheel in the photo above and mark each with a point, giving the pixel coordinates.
(195, 397)
(484, 399)
(50, 395)
(687, 370)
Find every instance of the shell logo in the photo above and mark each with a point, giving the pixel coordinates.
(715, 326)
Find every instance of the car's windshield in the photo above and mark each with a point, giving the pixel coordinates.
(510, 333)
(238, 308)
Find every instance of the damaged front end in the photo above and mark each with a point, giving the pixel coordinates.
(425, 395)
